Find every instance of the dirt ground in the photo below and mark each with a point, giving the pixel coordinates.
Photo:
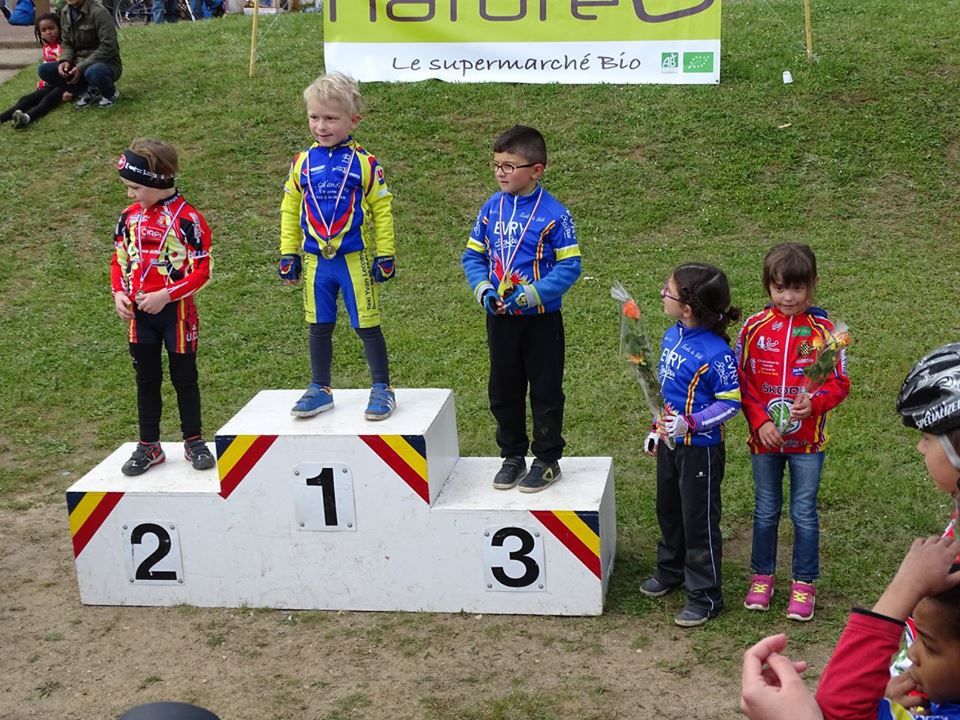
(63, 660)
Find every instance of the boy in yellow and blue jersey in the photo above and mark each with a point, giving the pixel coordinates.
(336, 213)
(522, 256)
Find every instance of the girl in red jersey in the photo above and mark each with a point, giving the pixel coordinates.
(46, 97)
(161, 259)
(787, 423)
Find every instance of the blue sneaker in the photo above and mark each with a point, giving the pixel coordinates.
(382, 402)
(317, 399)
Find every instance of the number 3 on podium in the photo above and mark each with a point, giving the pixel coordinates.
(513, 559)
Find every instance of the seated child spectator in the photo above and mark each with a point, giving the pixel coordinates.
(35, 105)
(90, 61)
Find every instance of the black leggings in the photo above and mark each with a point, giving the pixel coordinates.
(36, 104)
(321, 353)
(148, 366)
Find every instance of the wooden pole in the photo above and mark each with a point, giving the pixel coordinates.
(253, 35)
(806, 19)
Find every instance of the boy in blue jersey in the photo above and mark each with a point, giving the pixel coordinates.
(522, 256)
(336, 212)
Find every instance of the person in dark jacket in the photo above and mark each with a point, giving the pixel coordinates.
(90, 61)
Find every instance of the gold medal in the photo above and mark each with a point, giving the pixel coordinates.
(506, 286)
(328, 251)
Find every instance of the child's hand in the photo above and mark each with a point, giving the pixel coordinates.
(289, 268)
(651, 442)
(802, 408)
(924, 571)
(67, 97)
(516, 301)
(769, 436)
(121, 301)
(899, 689)
(153, 302)
(384, 268)
(492, 303)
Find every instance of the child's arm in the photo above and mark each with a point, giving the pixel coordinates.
(854, 681)
(291, 235)
(723, 380)
(380, 201)
(121, 300)
(476, 266)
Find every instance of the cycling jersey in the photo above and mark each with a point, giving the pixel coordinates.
(338, 197)
(165, 246)
(523, 240)
(773, 350)
(698, 378)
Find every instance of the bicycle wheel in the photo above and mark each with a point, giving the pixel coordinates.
(133, 12)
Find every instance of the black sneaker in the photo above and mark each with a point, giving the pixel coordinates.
(144, 457)
(652, 587)
(692, 616)
(510, 473)
(198, 454)
(541, 476)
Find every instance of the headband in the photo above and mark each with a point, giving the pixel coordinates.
(135, 168)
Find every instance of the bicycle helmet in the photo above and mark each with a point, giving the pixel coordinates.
(168, 711)
(929, 398)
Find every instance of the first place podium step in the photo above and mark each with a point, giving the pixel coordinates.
(336, 512)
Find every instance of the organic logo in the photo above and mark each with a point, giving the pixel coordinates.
(698, 62)
(669, 62)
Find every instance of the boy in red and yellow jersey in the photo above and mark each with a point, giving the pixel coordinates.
(161, 259)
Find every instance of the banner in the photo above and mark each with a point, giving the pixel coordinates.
(526, 41)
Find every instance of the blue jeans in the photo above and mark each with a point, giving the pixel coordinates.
(165, 11)
(768, 494)
(98, 77)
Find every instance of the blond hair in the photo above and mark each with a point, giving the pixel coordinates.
(339, 87)
(161, 157)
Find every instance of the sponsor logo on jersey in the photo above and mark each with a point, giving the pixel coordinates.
(769, 344)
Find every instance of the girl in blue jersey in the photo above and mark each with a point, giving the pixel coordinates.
(698, 380)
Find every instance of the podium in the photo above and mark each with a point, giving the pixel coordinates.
(337, 512)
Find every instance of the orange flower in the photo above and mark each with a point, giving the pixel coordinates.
(631, 310)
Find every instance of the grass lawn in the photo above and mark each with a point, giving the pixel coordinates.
(859, 157)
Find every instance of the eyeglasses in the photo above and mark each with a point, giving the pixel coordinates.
(665, 292)
(507, 168)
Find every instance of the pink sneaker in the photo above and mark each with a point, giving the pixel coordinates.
(803, 598)
(760, 592)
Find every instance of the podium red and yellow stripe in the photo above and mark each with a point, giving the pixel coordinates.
(87, 512)
(236, 457)
(406, 455)
(578, 531)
